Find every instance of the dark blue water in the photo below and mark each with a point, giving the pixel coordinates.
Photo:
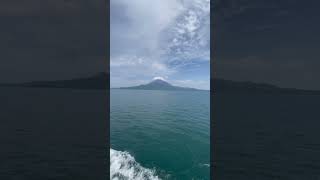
(53, 134)
(266, 137)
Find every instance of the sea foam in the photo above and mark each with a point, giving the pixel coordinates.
(124, 166)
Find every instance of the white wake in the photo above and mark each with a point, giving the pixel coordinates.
(124, 167)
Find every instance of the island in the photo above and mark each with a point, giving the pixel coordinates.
(159, 84)
(101, 81)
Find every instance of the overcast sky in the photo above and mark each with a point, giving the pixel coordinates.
(270, 41)
(160, 38)
(52, 40)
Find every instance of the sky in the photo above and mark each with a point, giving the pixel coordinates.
(268, 41)
(52, 40)
(169, 39)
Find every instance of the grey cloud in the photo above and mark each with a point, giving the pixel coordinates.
(282, 36)
(146, 30)
(52, 39)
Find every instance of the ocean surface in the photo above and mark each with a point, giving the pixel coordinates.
(57, 134)
(61, 134)
(266, 137)
(159, 134)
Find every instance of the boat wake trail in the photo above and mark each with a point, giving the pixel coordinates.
(124, 166)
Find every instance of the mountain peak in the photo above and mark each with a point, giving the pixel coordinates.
(159, 82)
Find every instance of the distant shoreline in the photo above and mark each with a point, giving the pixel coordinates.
(220, 86)
(156, 89)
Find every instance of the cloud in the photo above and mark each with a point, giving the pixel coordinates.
(159, 78)
(198, 84)
(50, 40)
(157, 38)
(51, 8)
(190, 35)
(137, 29)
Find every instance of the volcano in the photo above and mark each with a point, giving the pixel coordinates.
(159, 84)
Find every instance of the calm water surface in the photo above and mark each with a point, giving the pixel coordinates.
(166, 132)
(267, 137)
(52, 134)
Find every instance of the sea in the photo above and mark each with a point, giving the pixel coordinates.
(49, 133)
(158, 134)
(53, 133)
(266, 137)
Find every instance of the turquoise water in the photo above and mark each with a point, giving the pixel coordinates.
(159, 134)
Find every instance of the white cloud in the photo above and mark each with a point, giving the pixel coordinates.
(156, 38)
(159, 78)
(198, 84)
(191, 33)
(144, 21)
